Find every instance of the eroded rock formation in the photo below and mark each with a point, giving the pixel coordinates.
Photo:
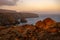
(6, 19)
(47, 29)
(46, 23)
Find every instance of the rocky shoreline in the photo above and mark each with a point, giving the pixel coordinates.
(47, 29)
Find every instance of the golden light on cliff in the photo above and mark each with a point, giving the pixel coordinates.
(46, 24)
(40, 24)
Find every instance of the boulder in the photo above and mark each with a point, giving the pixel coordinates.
(49, 23)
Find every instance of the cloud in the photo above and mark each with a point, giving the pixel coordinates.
(8, 2)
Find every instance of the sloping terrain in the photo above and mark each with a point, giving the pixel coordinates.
(45, 31)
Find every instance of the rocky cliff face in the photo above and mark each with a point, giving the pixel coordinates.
(18, 14)
(6, 19)
(46, 23)
(47, 29)
(10, 17)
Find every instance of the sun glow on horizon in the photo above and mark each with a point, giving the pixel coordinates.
(33, 5)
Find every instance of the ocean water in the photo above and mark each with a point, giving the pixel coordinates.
(55, 17)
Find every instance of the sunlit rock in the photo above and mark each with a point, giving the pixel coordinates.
(29, 27)
(40, 24)
(32, 32)
(49, 23)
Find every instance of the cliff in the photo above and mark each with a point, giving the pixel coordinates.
(47, 29)
(10, 17)
(18, 14)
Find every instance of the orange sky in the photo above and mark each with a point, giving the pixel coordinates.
(33, 5)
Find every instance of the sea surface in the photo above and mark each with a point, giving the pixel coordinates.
(55, 17)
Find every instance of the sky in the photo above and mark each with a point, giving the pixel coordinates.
(30, 5)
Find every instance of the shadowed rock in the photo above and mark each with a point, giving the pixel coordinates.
(10, 17)
(23, 20)
(6, 19)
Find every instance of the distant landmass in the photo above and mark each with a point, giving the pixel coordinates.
(18, 14)
(9, 17)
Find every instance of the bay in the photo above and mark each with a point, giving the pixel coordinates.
(55, 17)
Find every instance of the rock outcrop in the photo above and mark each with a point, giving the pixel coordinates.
(49, 22)
(7, 20)
(40, 24)
(46, 23)
(47, 29)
